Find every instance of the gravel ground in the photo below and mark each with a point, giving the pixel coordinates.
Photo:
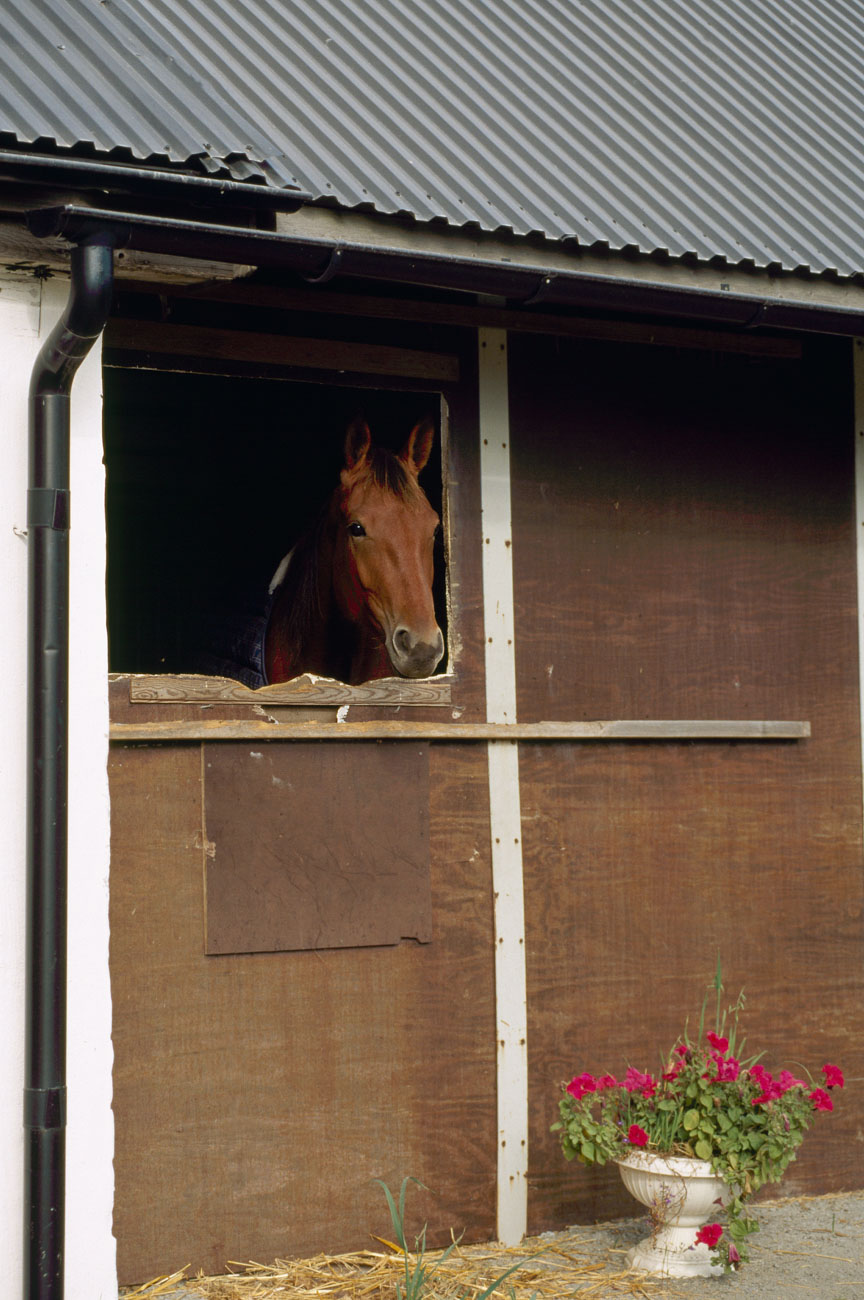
(808, 1248)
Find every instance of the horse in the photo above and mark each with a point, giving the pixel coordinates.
(353, 599)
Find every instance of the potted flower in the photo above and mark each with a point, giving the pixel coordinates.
(714, 1125)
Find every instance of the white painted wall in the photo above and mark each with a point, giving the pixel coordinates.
(28, 309)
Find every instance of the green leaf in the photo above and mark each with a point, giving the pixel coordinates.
(588, 1150)
(691, 1120)
(703, 1149)
(738, 1229)
(395, 1218)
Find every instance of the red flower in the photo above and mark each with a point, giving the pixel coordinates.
(718, 1043)
(710, 1235)
(787, 1081)
(821, 1100)
(606, 1081)
(637, 1136)
(579, 1086)
(833, 1076)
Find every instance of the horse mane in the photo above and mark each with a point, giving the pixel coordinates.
(298, 592)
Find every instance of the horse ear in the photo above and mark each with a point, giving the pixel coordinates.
(416, 451)
(358, 440)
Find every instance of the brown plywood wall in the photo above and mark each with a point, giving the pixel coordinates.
(684, 548)
(257, 1096)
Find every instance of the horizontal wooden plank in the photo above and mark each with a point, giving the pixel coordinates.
(462, 314)
(278, 350)
(640, 729)
(305, 690)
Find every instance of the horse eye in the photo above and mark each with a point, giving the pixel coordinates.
(356, 529)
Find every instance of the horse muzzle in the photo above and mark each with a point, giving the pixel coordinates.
(413, 656)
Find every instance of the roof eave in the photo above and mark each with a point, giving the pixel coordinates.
(320, 258)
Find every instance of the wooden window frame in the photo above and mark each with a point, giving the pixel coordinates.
(132, 344)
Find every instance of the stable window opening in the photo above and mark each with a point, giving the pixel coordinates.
(217, 490)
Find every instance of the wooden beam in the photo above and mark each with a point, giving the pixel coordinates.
(305, 690)
(640, 729)
(468, 314)
(167, 340)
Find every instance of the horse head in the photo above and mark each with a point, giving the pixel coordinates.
(384, 532)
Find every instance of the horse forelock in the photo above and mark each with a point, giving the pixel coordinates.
(386, 471)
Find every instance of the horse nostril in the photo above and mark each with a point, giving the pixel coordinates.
(403, 640)
(412, 656)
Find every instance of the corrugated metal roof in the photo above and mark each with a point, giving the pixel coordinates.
(732, 130)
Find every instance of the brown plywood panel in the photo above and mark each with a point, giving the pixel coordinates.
(257, 1097)
(684, 547)
(646, 865)
(316, 846)
(676, 521)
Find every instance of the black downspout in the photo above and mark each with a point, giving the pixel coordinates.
(47, 732)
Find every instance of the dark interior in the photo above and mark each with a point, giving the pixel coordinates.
(210, 481)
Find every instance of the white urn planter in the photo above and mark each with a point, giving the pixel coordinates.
(681, 1195)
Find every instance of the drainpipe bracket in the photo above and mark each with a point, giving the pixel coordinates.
(44, 1108)
(48, 508)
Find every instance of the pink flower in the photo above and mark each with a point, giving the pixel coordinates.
(787, 1081)
(734, 1257)
(637, 1136)
(710, 1235)
(682, 1049)
(821, 1100)
(771, 1087)
(579, 1086)
(606, 1081)
(727, 1068)
(833, 1076)
(720, 1044)
(634, 1081)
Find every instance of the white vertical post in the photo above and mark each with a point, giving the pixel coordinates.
(505, 814)
(858, 377)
